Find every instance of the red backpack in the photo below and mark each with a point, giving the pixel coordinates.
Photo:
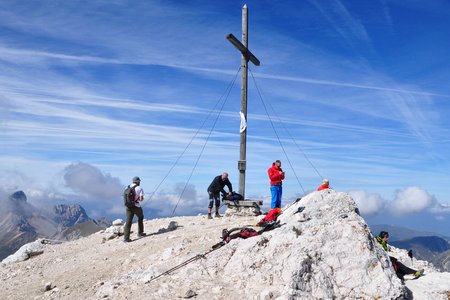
(271, 216)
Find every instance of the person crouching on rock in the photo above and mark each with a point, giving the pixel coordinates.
(214, 189)
(325, 185)
(400, 269)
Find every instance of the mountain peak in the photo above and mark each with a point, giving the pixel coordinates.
(18, 196)
(69, 214)
(22, 222)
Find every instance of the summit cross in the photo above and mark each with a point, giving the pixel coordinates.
(247, 56)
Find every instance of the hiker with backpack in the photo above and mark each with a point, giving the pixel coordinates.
(400, 269)
(214, 189)
(133, 195)
(276, 175)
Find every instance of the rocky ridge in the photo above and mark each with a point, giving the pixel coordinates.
(21, 223)
(322, 250)
(69, 215)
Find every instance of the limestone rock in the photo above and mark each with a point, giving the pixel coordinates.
(117, 230)
(47, 286)
(431, 286)
(242, 211)
(117, 222)
(332, 258)
(189, 294)
(26, 251)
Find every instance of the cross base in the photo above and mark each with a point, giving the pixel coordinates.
(247, 207)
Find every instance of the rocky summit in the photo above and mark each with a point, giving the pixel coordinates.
(322, 249)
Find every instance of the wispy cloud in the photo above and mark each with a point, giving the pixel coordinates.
(349, 85)
(348, 28)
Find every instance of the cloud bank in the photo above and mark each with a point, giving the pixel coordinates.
(90, 181)
(409, 200)
(368, 203)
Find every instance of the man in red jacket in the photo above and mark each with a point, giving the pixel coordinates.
(276, 175)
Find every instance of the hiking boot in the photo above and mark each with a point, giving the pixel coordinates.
(126, 240)
(142, 234)
(218, 215)
(209, 216)
(419, 273)
(225, 234)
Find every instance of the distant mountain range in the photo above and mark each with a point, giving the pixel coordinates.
(424, 245)
(21, 223)
(398, 233)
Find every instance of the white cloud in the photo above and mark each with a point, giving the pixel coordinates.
(89, 180)
(368, 203)
(440, 208)
(190, 203)
(411, 200)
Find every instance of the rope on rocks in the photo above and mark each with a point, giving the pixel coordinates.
(192, 259)
(51, 242)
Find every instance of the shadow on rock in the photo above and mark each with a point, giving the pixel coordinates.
(171, 227)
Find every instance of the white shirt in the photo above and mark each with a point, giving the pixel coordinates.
(139, 192)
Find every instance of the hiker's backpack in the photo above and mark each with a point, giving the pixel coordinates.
(246, 232)
(234, 196)
(243, 232)
(271, 216)
(128, 196)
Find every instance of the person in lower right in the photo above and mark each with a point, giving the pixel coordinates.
(400, 269)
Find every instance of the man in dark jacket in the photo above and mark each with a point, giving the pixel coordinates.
(214, 190)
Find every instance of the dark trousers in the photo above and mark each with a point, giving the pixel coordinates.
(216, 198)
(130, 214)
(400, 269)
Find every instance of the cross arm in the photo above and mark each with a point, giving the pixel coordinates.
(244, 50)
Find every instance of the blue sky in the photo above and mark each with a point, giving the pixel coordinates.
(93, 93)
